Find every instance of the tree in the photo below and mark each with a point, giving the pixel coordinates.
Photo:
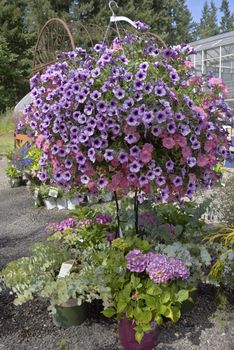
(227, 20)
(39, 11)
(16, 48)
(7, 75)
(208, 24)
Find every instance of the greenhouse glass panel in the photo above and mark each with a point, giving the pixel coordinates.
(212, 66)
(211, 53)
(228, 49)
(216, 55)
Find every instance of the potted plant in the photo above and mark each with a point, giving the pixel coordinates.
(146, 288)
(62, 273)
(49, 201)
(167, 138)
(14, 176)
(72, 198)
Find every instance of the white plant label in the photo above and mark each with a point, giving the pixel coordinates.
(65, 268)
(53, 192)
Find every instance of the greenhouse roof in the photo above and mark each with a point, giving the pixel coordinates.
(214, 41)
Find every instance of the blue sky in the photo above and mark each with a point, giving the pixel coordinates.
(196, 7)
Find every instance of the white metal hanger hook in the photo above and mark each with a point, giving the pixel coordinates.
(110, 6)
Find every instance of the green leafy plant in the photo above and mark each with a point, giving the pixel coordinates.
(167, 222)
(222, 271)
(13, 172)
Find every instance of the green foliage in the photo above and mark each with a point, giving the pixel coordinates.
(29, 275)
(7, 123)
(227, 19)
(12, 171)
(34, 154)
(15, 52)
(208, 25)
(168, 222)
(222, 271)
(88, 236)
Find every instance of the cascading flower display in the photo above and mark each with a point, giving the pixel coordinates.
(129, 117)
(159, 267)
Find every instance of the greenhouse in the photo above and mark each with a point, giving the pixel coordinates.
(216, 55)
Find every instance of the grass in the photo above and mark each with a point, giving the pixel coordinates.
(7, 122)
(6, 143)
(7, 127)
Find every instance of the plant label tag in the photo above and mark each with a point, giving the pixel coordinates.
(65, 268)
(53, 192)
(36, 193)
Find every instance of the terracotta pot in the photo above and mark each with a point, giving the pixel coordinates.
(127, 336)
(70, 314)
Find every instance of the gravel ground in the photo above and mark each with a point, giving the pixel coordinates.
(28, 327)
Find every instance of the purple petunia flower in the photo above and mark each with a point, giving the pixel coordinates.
(174, 76)
(134, 167)
(191, 161)
(171, 128)
(135, 151)
(108, 155)
(138, 85)
(148, 117)
(161, 181)
(140, 75)
(119, 93)
(143, 180)
(156, 130)
(68, 164)
(148, 88)
(170, 165)
(123, 157)
(159, 91)
(66, 176)
(84, 179)
(177, 181)
(102, 182)
(161, 116)
(132, 120)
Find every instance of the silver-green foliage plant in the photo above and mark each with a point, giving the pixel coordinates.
(28, 276)
(195, 256)
(221, 207)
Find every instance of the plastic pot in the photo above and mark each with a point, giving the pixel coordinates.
(61, 203)
(71, 203)
(70, 314)
(15, 182)
(127, 336)
(50, 203)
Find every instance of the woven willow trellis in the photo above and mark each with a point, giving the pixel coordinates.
(57, 36)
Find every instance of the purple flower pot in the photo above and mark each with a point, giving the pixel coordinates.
(127, 336)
